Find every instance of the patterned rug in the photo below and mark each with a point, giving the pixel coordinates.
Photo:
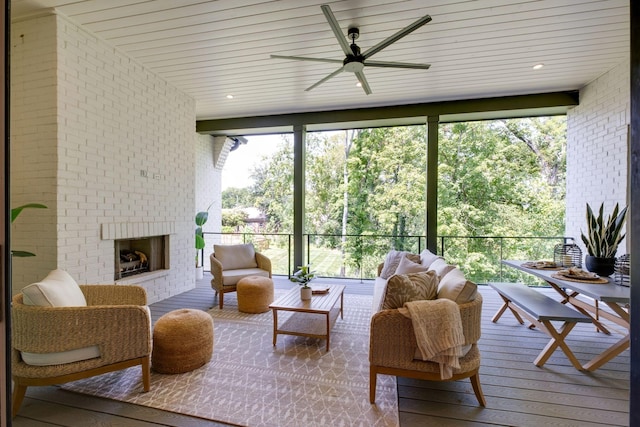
(251, 383)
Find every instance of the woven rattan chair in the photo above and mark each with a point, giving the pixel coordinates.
(225, 279)
(115, 319)
(392, 349)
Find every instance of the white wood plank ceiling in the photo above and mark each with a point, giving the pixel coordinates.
(483, 48)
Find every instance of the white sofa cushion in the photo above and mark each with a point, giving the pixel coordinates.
(233, 257)
(392, 261)
(407, 266)
(58, 289)
(379, 289)
(427, 257)
(441, 268)
(456, 287)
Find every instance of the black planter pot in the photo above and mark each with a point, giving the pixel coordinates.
(601, 266)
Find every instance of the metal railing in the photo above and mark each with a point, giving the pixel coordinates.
(358, 256)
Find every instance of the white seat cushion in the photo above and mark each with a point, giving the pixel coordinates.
(58, 289)
(61, 357)
(232, 277)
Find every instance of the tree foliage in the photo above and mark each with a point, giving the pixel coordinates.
(495, 178)
(237, 198)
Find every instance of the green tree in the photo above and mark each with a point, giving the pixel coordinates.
(386, 186)
(237, 198)
(499, 178)
(273, 188)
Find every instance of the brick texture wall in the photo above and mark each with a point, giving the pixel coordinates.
(208, 190)
(597, 149)
(100, 140)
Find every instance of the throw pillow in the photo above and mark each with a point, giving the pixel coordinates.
(407, 266)
(58, 289)
(456, 287)
(427, 257)
(392, 261)
(234, 257)
(403, 288)
(441, 268)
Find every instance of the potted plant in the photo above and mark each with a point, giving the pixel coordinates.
(303, 277)
(602, 239)
(201, 219)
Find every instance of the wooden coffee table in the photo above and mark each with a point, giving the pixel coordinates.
(313, 318)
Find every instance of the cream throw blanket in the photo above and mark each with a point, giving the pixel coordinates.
(438, 328)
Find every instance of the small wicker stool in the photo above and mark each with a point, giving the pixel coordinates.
(182, 341)
(255, 293)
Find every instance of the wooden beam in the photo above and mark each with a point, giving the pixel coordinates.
(451, 109)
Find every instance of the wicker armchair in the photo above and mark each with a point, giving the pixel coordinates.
(392, 349)
(225, 279)
(115, 319)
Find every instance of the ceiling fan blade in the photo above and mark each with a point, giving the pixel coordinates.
(363, 81)
(333, 23)
(397, 36)
(303, 58)
(397, 65)
(335, 73)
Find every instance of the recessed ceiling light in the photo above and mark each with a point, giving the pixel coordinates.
(229, 96)
(359, 84)
(538, 66)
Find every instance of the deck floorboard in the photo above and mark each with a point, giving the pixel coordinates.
(517, 392)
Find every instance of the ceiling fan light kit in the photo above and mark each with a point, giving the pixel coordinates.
(354, 60)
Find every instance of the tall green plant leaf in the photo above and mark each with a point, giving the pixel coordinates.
(14, 214)
(16, 211)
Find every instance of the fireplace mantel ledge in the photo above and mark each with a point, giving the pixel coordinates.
(132, 230)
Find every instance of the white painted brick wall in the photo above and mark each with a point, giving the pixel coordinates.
(208, 191)
(86, 119)
(597, 149)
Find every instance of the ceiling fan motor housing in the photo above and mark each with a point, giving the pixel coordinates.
(353, 63)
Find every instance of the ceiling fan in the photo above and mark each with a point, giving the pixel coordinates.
(355, 61)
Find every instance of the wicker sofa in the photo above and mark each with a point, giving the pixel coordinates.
(393, 346)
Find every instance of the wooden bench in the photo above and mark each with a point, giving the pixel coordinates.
(540, 310)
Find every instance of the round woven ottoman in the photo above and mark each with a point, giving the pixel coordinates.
(255, 293)
(182, 341)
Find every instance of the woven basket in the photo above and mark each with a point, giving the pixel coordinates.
(182, 341)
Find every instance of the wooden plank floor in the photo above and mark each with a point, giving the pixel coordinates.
(517, 392)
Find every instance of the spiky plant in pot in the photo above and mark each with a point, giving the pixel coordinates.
(602, 239)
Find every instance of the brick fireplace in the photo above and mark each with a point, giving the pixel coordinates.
(140, 255)
(140, 249)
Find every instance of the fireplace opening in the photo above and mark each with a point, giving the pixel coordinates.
(141, 255)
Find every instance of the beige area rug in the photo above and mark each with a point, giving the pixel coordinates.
(251, 383)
